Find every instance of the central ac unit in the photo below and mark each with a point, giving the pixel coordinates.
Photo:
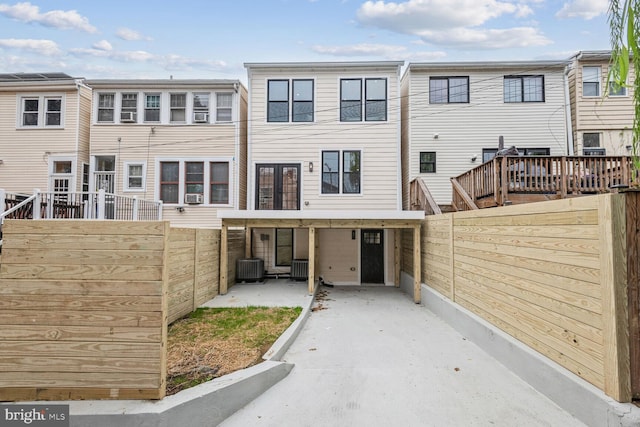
(193, 198)
(200, 117)
(127, 117)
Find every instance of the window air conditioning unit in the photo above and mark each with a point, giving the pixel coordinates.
(200, 117)
(127, 117)
(594, 151)
(193, 198)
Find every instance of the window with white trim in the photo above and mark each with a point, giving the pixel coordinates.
(178, 106)
(134, 179)
(224, 103)
(295, 105)
(41, 111)
(106, 103)
(615, 89)
(207, 177)
(591, 77)
(341, 172)
(152, 107)
(201, 107)
(352, 106)
(129, 107)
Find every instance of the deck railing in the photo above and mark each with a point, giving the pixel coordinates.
(558, 177)
(421, 198)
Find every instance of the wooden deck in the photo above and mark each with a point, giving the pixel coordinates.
(510, 180)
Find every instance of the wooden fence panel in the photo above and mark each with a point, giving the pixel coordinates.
(207, 269)
(181, 257)
(83, 310)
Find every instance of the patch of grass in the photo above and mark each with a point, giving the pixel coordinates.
(212, 342)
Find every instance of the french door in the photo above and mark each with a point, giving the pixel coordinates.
(278, 186)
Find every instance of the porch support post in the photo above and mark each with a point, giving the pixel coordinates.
(224, 258)
(3, 196)
(36, 204)
(397, 250)
(247, 242)
(102, 202)
(312, 260)
(135, 208)
(417, 263)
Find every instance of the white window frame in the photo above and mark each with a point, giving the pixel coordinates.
(599, 81)
(183, 108)
(146, 107)
(206, 179)
(623, 90)
(42, 110)
(220, 108)
(341, 192)
(195, 109)
(71, 176)
(123, 109)
(112, 108)
(127, 174)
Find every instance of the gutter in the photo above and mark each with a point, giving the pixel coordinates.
(567, 115)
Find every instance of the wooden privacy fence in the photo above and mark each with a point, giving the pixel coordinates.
(552, 274)
(85, 305)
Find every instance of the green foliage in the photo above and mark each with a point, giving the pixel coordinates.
(624, 23)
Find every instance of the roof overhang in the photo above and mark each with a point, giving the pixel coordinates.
(324, 65)
(321, 219)
(162, 83)
(487, 65)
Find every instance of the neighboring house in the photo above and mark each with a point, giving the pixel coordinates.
(455, 113)
(44, 123)
(601, 114)
(182, 142)
(324, 170)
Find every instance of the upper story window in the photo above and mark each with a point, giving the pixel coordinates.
(41, 111)
(448, 90)
(333, 170)
(615, 90)
(224, 103)
(201, 108)
(106, 105)
(279, 97)
(152, 107)
(591, 81)
(352, 106)
(178, 102)
(129, 109)
(524, 89)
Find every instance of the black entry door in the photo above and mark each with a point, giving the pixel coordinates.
(372, 256)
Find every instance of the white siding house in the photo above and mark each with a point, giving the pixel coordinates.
(182, 142)
(324, 143)
(44, 123)
(455, 113)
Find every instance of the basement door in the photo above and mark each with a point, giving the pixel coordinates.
(372, 256)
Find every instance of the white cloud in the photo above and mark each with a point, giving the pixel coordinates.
(131, 35)
(61, 19)
(102, 45)
(177, 62)
(122, 56)
(454, 23)
(41, 47)
(391, 52)
(586, 9)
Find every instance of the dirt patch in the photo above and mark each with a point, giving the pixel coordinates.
(212, 342)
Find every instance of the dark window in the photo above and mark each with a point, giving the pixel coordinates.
(428, 162)
(351, 172)
(330, 172)
(169, 181)
(278, 101)
(302, 101)
(376, 100)
(284, 246)
(278, 187)
(524, 89)
(590, 81)
(194, 177)
(591, 140)
(219, 177)
(54, 112)
(350, 100)
(30, 112)
(444, 90)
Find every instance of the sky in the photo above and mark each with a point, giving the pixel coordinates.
(213, 39)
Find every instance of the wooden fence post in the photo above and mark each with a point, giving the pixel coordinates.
(633, 283)
(613, 282)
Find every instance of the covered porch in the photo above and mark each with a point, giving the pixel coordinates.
(315, 222)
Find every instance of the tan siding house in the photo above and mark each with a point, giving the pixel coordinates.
(44, 122)
(601, 124)
(182, 142)
(324, 144)
(455, 113)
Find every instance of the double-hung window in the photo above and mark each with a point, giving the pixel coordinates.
(615, 89)
(295, 105)
(178, 108)
(207, 177)
(591, 81)
(170, 182)
(523, 89)
(352, 106)
(201, 107)
(152, 107)
(224, 102)
(41, 111)
(129, 108)
(105, 107)
(219, 182)
(428, 162)
(448, 90)
(341, 172)
(134, 176)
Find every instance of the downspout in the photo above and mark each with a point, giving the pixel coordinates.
(250, 178)
(77, 150)
(567, 106)
(399, 147)
(236, 163)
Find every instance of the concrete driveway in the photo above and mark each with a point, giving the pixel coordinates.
(369, 356)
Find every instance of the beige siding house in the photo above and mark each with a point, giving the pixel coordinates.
(182, 142)
(44, 123)
(455, 113)
(601, 124)
(324, 168)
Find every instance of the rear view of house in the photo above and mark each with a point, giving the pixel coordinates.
(182, 142)
(602, 125)
(44, 122)
(454, 115)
